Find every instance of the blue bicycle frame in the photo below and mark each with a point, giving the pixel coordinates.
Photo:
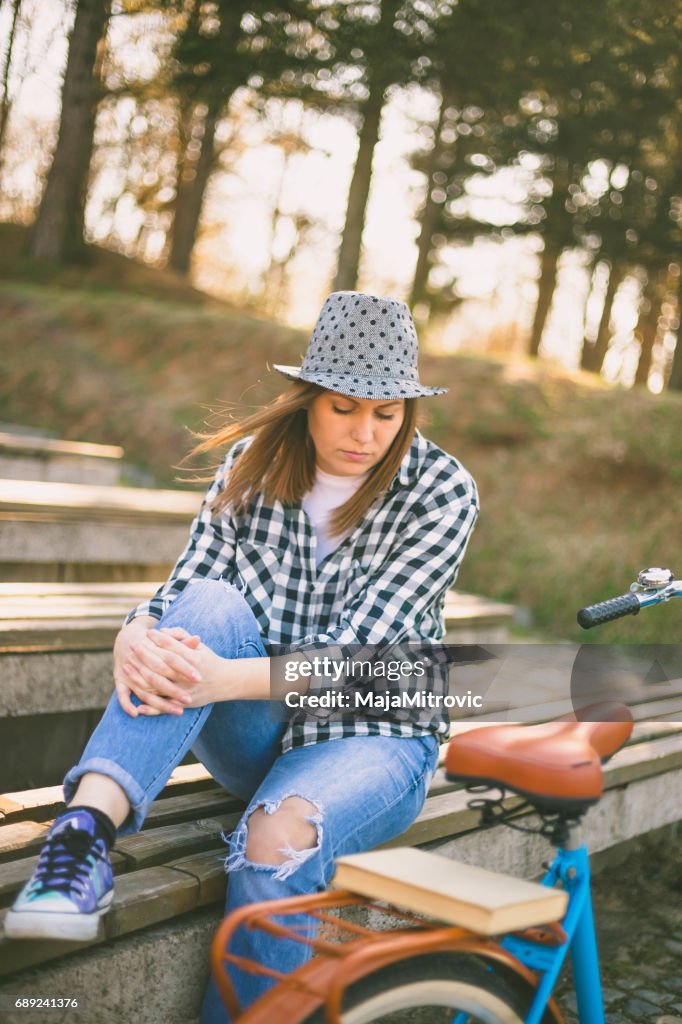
(570, 869)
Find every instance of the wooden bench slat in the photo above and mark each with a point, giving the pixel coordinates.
(210, 803)
(37, 804)
(649, 710)
(147, 897)
(171, 810)
(13, 876)
(145, 849)
(460, 606)
(643, 760)
(22, 837)
(674, 717)
(209, 870)
(187, 775)
(649, 730)
(443, 815)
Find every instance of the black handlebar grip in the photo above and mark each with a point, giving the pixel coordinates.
(615, 608)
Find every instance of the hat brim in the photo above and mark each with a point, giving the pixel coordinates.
(357, 386)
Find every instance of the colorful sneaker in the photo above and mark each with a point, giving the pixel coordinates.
(70, 889)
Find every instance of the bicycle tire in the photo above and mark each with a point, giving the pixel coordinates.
(431, 989)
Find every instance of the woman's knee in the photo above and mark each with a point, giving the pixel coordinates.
(217, 612)
(278, 836)
(215, 593)
(271, 835)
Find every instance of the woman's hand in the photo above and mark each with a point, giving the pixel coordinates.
(127, 635)
(140, 668)
(170, 669)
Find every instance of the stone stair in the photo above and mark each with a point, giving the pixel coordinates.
(60, 532)
(26, 456)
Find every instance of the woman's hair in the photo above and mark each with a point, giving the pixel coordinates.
(280, 461)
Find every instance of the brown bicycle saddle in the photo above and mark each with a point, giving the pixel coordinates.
(556, 765)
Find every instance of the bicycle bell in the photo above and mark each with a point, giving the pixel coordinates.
(655, 577)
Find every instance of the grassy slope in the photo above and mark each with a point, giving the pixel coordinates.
(579, 483)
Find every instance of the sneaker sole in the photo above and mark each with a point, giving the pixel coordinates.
(34, 924)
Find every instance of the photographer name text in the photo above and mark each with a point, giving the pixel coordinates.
(356, 700)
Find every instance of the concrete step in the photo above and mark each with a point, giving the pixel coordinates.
(87, 616)
(65, 616)
(77, 532)
(31, 457)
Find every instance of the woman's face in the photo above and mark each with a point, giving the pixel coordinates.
(351, 435)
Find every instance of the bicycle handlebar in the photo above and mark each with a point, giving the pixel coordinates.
(653, 586)
(605, 611)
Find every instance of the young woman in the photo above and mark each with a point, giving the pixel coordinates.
(333, 526)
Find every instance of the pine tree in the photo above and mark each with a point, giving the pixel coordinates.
(58, 230)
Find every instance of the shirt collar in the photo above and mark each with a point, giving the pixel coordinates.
(412, 462)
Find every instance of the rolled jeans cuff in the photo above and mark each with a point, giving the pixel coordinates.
(139, 802)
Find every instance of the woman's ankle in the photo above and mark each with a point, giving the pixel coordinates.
(102, 793)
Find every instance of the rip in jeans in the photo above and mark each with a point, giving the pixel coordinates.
(237, 859)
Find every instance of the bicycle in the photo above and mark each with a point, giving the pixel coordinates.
(376, 974)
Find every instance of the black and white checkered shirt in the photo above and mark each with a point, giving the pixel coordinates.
(384, 585)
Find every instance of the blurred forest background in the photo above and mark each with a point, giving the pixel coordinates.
(182, 182)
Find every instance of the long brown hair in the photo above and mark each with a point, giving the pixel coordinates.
(280, 461)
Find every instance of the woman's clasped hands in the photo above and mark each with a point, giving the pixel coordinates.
(168, 670)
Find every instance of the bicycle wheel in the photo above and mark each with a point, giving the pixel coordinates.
(431, 989)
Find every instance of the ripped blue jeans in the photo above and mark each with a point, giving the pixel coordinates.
(361, 790)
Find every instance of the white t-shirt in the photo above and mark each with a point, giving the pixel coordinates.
(326, 494)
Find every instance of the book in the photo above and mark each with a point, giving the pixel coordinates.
(447, 890)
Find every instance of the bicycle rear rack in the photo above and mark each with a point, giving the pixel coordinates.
(356, 951)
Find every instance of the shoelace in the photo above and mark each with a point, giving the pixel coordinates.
(63, 861)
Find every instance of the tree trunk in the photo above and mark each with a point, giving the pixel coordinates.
(349, 254)
(58, 231)
(428, 215)
(546, 286)
(5, 105)
(272, 276)
(194, 173)
(675, 378)
(647, 326)
(192, 181)
(593, 353)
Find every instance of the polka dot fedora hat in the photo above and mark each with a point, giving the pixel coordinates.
(363, 346)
